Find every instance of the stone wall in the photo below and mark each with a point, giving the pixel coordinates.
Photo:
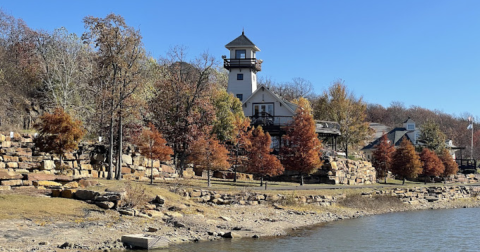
(415, 195)
(347, 172)
(19, 159)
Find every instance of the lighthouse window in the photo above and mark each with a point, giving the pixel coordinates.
(240, 54)
(239, 76)
(240, 97)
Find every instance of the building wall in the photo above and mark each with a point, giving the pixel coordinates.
(263, 96)
(246, 86)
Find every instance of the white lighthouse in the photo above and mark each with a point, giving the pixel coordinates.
(242, 66)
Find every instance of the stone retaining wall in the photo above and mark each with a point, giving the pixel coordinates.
(415, 195)
(348, 172)
(19, 159)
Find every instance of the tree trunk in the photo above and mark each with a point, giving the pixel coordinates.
(120, 147)
(208, 177)
(151, 168)
(110, 150)
(403, 181)
(261, 181)
(386, 175)
(346, 150)
(301, 179)
(236, 164)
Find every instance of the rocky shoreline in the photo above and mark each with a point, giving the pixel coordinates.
(188, 221)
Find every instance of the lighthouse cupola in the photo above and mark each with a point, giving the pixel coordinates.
(242, 66)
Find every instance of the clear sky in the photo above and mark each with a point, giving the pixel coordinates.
(423, 53)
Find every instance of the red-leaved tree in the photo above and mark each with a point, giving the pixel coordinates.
(260, 161)
(208, 153)
(152, 144)
(451, 167)
(382, 157)
(432, 165)
(241, 138)
(406, 162)
(58, 133)
(301, 149)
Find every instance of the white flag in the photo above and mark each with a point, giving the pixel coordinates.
(470, 126)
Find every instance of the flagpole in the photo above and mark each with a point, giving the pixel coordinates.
(471, 150)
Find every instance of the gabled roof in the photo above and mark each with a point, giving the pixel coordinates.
(242, 41)
(395, 136)
(290, 106)
(409, 120)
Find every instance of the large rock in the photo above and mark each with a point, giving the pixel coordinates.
(47, 165)
(231, 235)
(127, 159)
(145, 242)
(16, 182)
(40, 176)
(105, 204)
(5, 174)
(86, 194)
(47, 184)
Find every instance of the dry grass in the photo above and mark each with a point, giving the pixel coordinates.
(13, 206)
(377, 202)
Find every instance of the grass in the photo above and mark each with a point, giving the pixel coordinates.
(14, 206)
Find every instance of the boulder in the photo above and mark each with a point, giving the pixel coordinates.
(105, 204)
(47, 165)
(12, 165)
(71, 185)
(5, 174)
(68, 193)
(46, 184)
(86, 194)
(16, 182)
(231, 235)
(127, 159)
(5, 188)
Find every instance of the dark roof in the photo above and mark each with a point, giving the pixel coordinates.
(395, 136)
(242, 41)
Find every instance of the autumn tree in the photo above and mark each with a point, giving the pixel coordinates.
(341, 106)
(406, 162)
(152, 144)
(226, 107)
(120, 53)
(432, 137)
(67, 66)
(382, 157)
(207, 153)
(432, 165)
(182, 101)
(260, 160)
(301, 149)
(241, 138)
(451, 167)
(58, 133)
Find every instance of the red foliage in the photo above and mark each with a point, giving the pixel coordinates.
(59, 133)
(152, 144)
(260, 161)
(208, 154)
(451, 167)
(406, 162)
(382, 156)
(301, 150)
(432, 165)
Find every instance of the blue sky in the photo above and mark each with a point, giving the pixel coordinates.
(424, 53)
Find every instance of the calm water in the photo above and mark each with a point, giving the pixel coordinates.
(430, 230)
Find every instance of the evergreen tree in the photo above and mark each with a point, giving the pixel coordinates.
(432, 137)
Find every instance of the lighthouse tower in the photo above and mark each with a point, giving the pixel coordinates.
(242, 66)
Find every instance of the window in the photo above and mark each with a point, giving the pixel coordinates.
(410, 127)
(239, 76)
(263, 109)
(240, 54)
(240, 97)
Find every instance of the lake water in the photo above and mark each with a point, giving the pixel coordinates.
(429, 230)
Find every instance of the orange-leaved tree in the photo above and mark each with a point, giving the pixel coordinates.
(406, 162)
(208, 153)
(451, 167)
(301, 151)
(152, 144)
(241, 137)
(432, 165)
(260, 161)
(382, 157)
(59, 133)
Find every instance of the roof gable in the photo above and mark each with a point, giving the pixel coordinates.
(394, 136)
(242, 41)
(290, 106)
